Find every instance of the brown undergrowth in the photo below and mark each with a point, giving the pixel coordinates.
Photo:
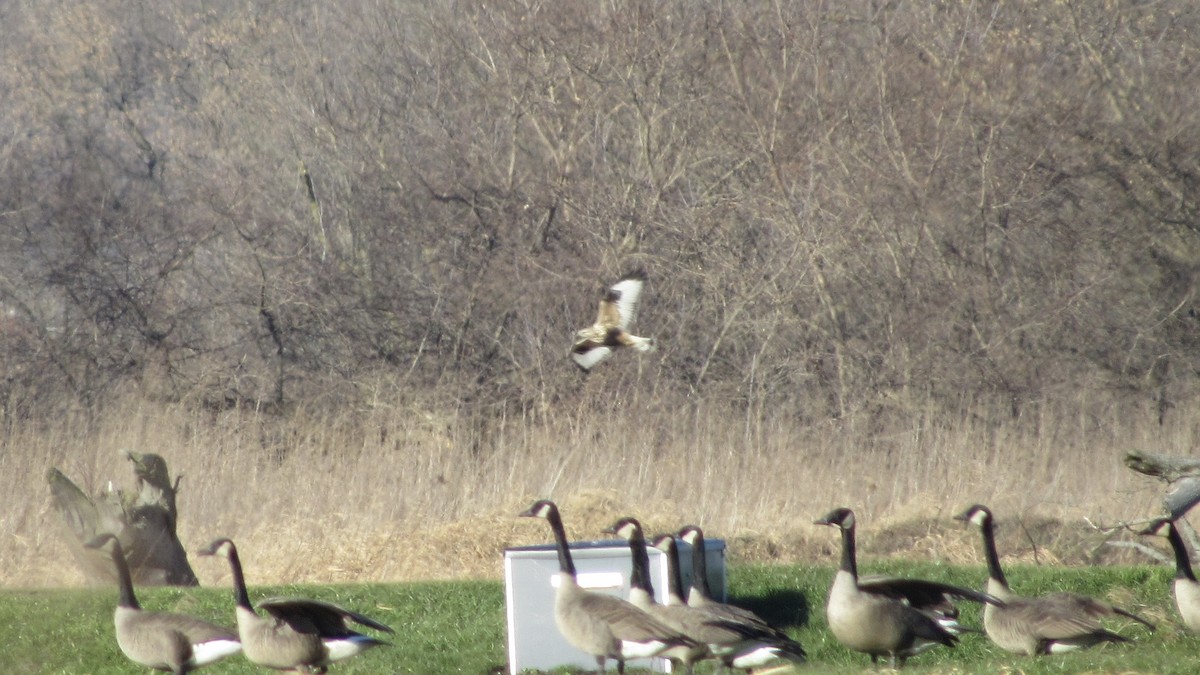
(409, 494)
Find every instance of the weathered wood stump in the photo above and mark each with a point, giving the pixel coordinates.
(144, 522)
(1182, 475)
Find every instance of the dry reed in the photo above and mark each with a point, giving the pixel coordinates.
(390, 493)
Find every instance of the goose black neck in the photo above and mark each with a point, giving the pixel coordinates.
(1183, 564)
(565, 564)
(239, 582)
(849, 561)
(700, 567)
(989, 550)
(673, 575)
(640, 575)
(124, 579)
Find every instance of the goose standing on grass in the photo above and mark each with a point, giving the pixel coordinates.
(618, 304)
(888, 616)
(297, 634)
(1185, 586)
(175, 643)
(1049, 624)
(742, 643)
(604, 626)
(686, 620)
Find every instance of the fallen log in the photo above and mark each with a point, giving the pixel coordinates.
(1182, 475)
(143, 521)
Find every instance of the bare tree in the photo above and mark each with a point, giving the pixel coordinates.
(845, 208)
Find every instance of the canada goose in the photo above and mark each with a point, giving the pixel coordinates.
(602, 625)
(1185, 586)
(160, 640)
(618, 305)
(699, 595)
(887, 616)
(686, 620)
(299, 634)
(1049, 624)
(755, 643)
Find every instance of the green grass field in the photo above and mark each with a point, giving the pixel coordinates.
(458, 627)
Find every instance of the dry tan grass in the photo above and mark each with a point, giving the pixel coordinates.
(389, 494)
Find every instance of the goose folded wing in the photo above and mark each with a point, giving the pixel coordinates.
(748, 630)
(1097, 609)
(626, 621)
(1050, 621)
(754, 638)
(735, 613)
(196, 630)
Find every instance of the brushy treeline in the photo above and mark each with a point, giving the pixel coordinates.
(844, 207)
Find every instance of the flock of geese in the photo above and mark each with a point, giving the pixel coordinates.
(884, 617)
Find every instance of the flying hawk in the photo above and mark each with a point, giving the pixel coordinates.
(617, 306)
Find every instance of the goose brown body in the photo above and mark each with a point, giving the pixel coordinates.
(1047, 624)
(296, 633)
(174, 643)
